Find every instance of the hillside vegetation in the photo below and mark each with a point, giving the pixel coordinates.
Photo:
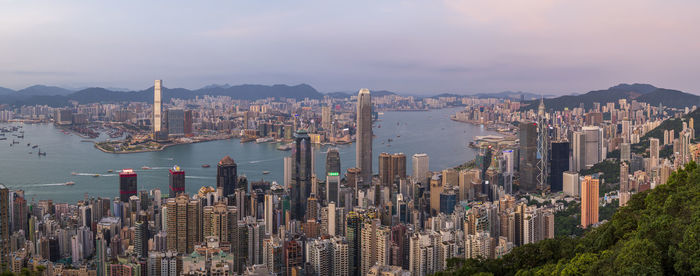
(657, 233)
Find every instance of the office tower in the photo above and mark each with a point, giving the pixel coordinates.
(141, 238)
(559, 164)
(301, 174)
(468, 180)
(625, 152)
(448, 201)
(542, 147)
(570, 183)
(384, 168)
(363, 154)
(269, 213)
(353, 228)
(528, 156)
(626, 131)
(509, 157)
(435, 191)
(177, 181)
(352, 177)
(420, 163)
(332, 187)
(176, 122)
(326, 118)
(127, 184)
(578, 152)
(188, 123)
(589, 201)
(287, 171)
(653, 152)
(593, 146)
(4, 228)
(624, 184)
(332, 161)
(157, 108)
(227, 176)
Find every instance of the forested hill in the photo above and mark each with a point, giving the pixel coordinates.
(657, 233)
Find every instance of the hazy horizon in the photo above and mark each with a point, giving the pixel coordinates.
(415, 48)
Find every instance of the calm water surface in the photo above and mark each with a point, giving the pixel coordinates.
(429, 132)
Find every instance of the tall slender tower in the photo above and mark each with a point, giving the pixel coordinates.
(157, 107)
(301, 174)
(127, 184)
(542, 147)
(363, 157)
(589, 201)
(227, 175)
(177, 181)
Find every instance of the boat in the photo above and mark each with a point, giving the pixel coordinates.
(29, 144)
(206, 166)
(263, 140)
(74, 173)
(285, 147)
(109, 171)
(3, 138)
(145, 168)
(390, 140)
(69, 183)
(30, 152)
(35, 146)
(42, 153)
(95, 175)
(266, 172)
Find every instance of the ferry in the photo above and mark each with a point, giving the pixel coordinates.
(74, 173)
(95, 175)
(266, 172)
(263, 140)
(69, 183)
(285, 147)
(110, 171)
(35, 146)
(145, 168)
(206, 166)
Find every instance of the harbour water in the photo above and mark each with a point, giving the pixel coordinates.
(42, 177)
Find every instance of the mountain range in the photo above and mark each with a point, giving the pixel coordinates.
(57, 96)
(640, 92)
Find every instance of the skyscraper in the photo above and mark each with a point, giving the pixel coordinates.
(593, 145)
(353, 228)
(332, 161)
(578, 153)
(4, 228)
(420, 163)
(384, 168)
(653, 152)
(301, 174)
(528, 156)
(589, 201)
(542, 147)
(227, 175)
(559, 164)
(127, 184)
(157, 107)
(624, 183)
(177, 181)
(363, 156)
(326, 118)
(625, 152)
(176, 122)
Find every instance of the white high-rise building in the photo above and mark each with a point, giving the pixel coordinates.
(593, 145)
(653, 152)
(420, 163)
(269, 209)
(340, 257)
(578, 155)
(157, 107)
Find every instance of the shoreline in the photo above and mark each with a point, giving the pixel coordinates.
(163, 147)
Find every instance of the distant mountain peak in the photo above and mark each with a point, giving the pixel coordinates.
(641, 88)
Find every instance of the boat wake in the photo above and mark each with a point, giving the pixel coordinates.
(47, 185)
(264, 160)
(199, 177)
(92, 174)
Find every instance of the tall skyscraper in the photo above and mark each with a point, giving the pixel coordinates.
(578, 152)
(653, 152)
(559, 164)
(127, 184)
(177, 181)
(420, 163)
(593, 145)
(542, 147)
(528, 156)
(589, 201)
(301, 174)
(624, 183)
(332, 161)
(384, 168)
(353, 228)
(625, 152)
(157, 107)
(227, 175)
(363, 157)
(326, 118)
(4, 228)
(176, 122)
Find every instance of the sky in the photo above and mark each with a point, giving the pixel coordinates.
(412, 47)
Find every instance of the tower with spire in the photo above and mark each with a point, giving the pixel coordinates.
(542, 147)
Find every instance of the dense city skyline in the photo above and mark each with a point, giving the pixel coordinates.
(461, 47)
